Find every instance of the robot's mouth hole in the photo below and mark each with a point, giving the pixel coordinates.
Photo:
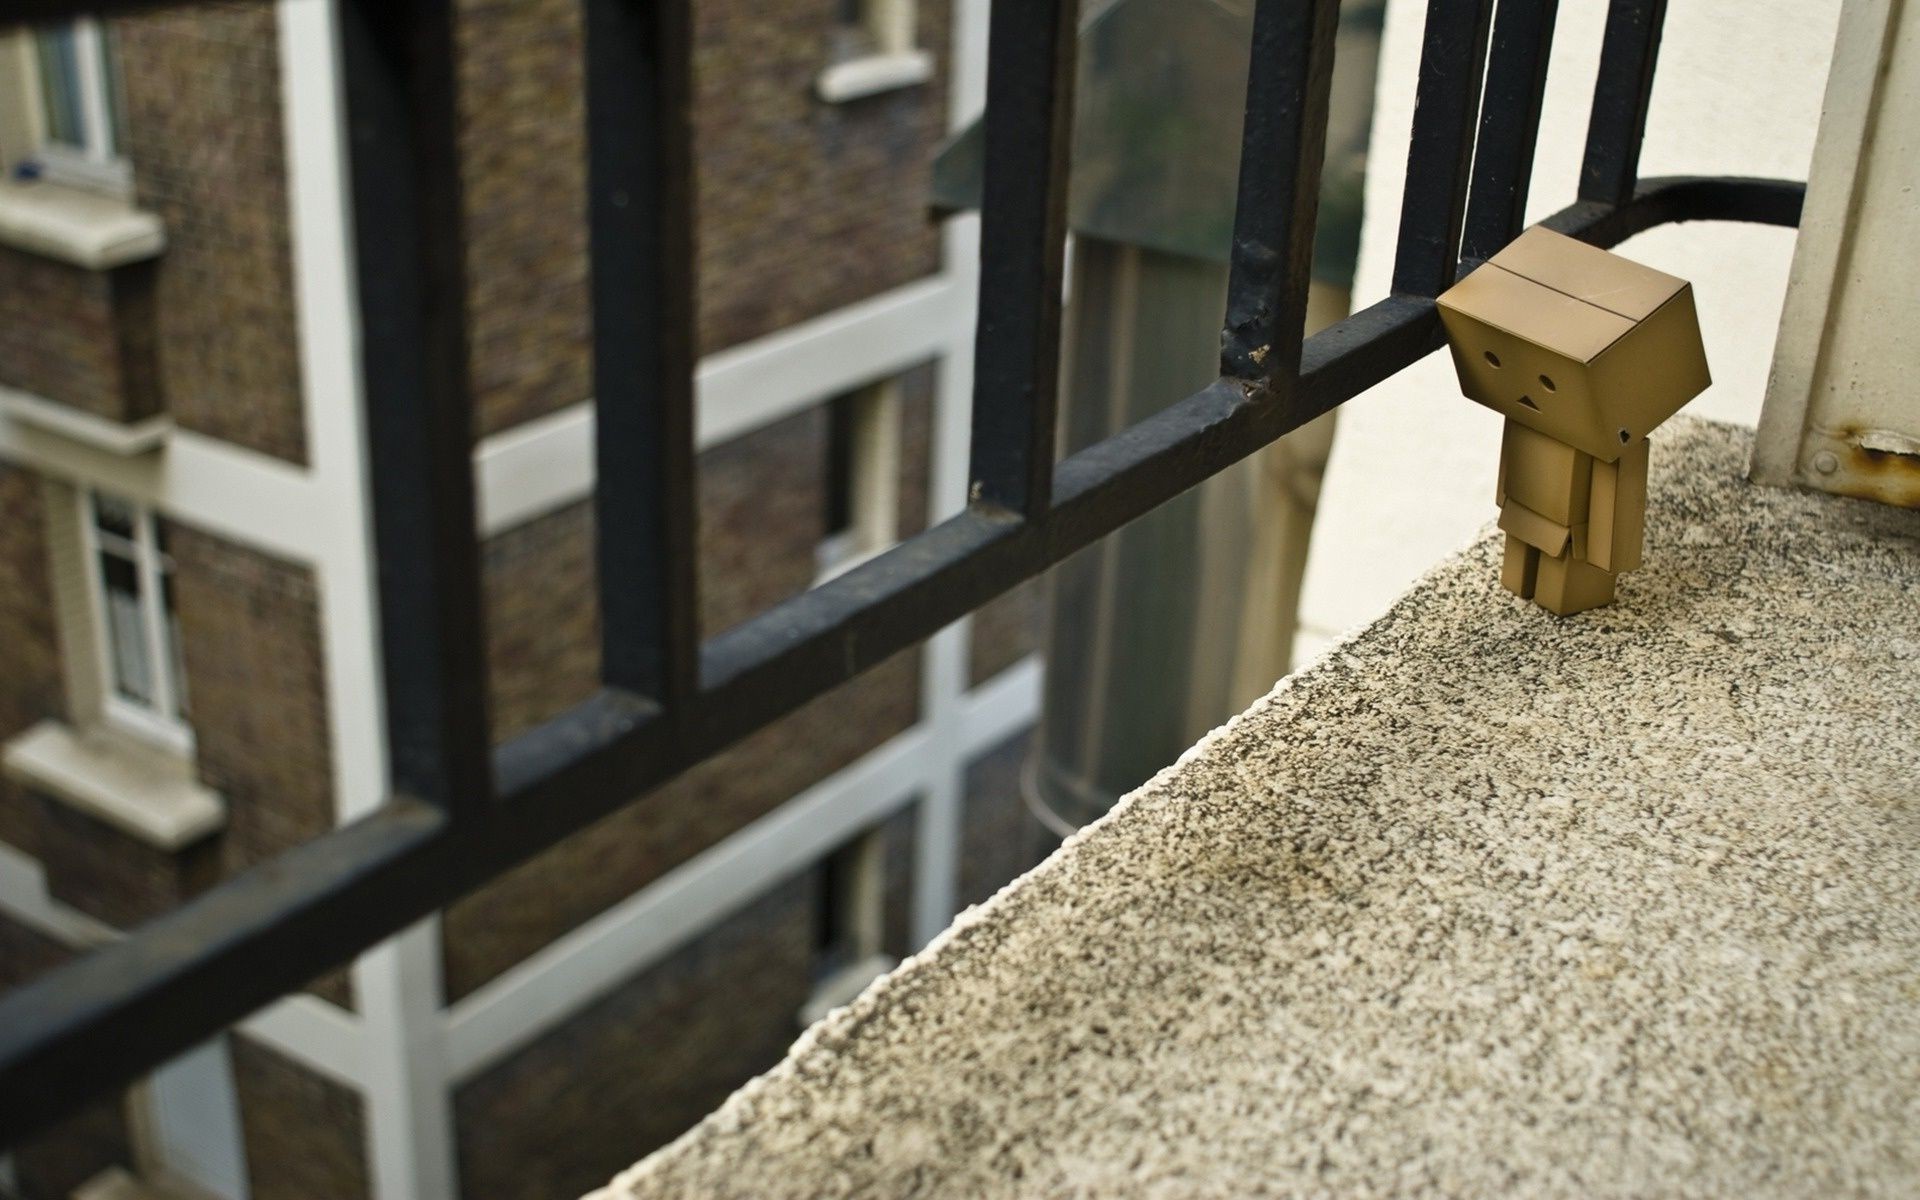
(1528, 401)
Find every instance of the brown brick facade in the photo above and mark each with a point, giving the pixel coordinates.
(631, 1071)
(207, 142)
(1000, 838)
(51, 1164)
(805, 206)
(762, 515)
(110, 875)
(30, 683)
(802, 206)
(305, 1136)
(543, 618)
(1005, 630)
(525, 180)
(250, 635)
(84, 338)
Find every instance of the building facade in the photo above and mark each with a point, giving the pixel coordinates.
(188, 633)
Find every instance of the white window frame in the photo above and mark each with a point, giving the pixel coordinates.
(165, 722)
(97, 161)
(874, 487)
(860, 925)
(891, 61)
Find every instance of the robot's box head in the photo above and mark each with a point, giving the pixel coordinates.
(1582, 345)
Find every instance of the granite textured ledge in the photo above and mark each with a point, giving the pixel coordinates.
(1485, 902)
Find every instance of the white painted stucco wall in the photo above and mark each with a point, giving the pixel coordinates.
(1738, 91)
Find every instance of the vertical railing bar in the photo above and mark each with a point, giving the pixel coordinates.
(403, 130)
(1029, 121)
(640, 180)
(1283, 148)
(1441, 146)
(1509, 125)
(1629, 52)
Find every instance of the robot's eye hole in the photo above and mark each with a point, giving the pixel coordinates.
(1493, 359)
(1547, 383)
(1625, 437)
(1528, 401)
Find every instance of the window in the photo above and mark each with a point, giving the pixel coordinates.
(874, 51)
(862, 494)
(131, 580)
(887, 23)
(79, 103)
(850, 925)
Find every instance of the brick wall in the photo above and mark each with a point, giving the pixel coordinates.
(54, 1162)
(305, 1136)
(80, 337)
(1000, 838)
(634, 1069)
(30, 683)
(250, 635)
(525, 179)
(543, 618)
(110, 875)
(802, 206)
(206, 139)
(761, 517)
(1005, 630)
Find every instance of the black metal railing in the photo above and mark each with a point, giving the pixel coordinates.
(461, 812)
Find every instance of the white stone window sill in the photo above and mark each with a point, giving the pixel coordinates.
(75, 225)
(872, 74)
(137, 787)
(114, 1183)
(76, 425)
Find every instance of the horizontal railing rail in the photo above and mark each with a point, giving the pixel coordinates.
(461, 811)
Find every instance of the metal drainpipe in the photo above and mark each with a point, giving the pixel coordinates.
(1162, 631)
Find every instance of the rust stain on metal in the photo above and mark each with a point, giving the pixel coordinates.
(1873, 469)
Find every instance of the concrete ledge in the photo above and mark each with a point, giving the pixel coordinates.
(138, 789)
(1487, 902)
(872, 74)
(126, 440)
(84, 228)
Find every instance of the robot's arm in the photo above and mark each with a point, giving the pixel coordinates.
(1617, 510)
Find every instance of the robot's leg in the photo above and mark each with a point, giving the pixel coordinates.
(1521, 568)
(1568, 585)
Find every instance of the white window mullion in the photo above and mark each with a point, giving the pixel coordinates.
(97, 593)
(153, 611)
(876, 468)
(866, 915)
(90, 66)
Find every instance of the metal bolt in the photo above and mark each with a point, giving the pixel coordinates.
(1825, 462)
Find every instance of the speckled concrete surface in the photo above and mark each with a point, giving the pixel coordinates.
(1488, 902)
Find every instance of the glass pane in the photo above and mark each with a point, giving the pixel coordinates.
(60, 85)
(110, 80)
(126, 629)
(113, 516)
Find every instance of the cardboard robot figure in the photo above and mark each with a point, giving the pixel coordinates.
(1584, 353)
